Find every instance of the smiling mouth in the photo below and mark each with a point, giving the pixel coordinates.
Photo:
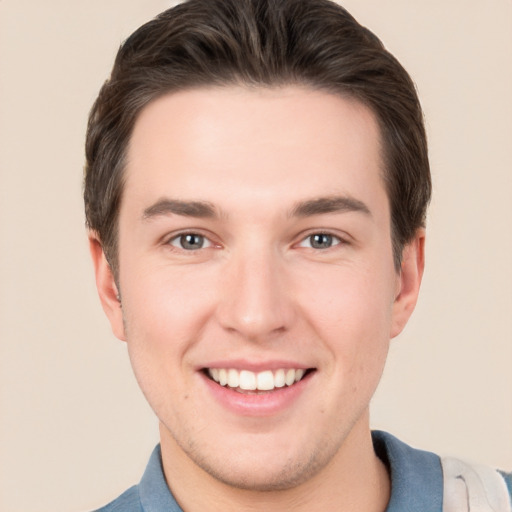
(246, 381)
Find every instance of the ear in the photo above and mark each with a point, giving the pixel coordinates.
(408, 282)
(107, 288)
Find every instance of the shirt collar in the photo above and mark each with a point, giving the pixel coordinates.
(154, 493)
(416, 475)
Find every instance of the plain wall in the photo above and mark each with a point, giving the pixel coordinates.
(75, 430)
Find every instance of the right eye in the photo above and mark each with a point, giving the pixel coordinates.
(190, 242)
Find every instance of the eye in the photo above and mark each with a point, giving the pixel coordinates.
(190, 242)
(320, 241)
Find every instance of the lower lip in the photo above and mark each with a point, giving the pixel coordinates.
(263, 404)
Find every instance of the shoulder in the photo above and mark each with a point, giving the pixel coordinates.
(152, 492)
(129, 501)
(422, 480)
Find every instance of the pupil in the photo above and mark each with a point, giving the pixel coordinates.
(191, 241)
(321, 241)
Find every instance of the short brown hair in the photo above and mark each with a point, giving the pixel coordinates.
(315, 43)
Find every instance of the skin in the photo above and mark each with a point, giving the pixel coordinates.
(257, 291)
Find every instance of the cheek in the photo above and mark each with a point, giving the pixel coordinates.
(161, 323)
(166, 301)
(351, 311)
(342, 300)
(164, 314)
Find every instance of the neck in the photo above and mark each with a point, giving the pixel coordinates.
(354, 479)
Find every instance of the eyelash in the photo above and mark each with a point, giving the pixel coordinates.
(178, 241)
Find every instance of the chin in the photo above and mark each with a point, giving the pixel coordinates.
(263, 469)
(245, 476)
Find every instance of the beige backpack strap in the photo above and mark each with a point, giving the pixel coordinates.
(472, 488)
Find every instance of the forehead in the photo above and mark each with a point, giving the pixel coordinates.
(278, 144)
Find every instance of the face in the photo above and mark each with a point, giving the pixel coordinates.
(256, 277)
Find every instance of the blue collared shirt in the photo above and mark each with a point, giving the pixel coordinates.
(416, 481)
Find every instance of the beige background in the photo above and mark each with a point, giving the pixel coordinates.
(74, 428)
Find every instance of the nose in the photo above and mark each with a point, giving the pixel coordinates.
(256, 302)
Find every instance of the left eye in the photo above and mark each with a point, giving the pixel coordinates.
(190, 242)
(320, 241)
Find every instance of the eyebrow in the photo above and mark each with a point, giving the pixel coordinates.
(330, 204)
(206, 210)
(199, 209)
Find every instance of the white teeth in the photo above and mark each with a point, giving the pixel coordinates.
(233, 378)
(279, 379)
(250, 381)
(265, 381)
(247, 380)
(290, 377)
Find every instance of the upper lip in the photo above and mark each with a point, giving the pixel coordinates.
(255, 366)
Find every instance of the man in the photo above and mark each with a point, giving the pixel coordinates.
(256, 189)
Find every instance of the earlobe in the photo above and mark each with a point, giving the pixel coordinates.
(106, 286)
(409, 281)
